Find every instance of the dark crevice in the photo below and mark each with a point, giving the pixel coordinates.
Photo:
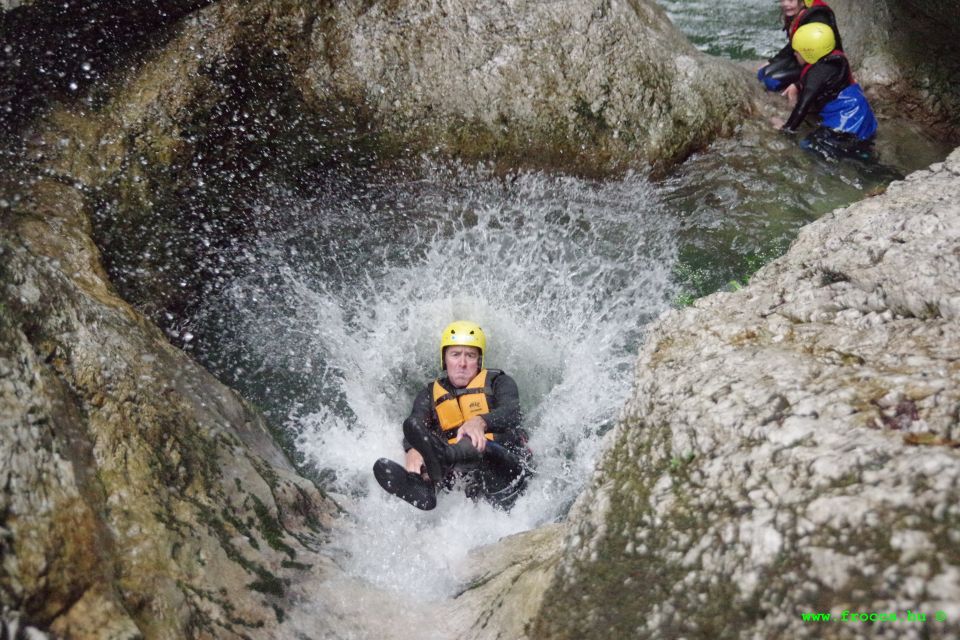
(55, 50)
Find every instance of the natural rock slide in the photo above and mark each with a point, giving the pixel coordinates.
(789, 448)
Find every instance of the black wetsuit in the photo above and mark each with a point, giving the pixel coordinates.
(500, 475)
(821, 85)
(783, 68)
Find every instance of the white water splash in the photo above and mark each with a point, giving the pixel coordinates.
(562, 274)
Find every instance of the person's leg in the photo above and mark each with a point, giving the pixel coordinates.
(504, 475)
(460, 452)
(430, 446)
(818, 141)
(853, 147)
(834, 145)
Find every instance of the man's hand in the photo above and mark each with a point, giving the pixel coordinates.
(474, 428)
(413, 461)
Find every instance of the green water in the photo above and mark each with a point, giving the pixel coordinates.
(742, 201)
(739, 30)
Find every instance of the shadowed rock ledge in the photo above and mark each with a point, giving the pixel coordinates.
(141, 498)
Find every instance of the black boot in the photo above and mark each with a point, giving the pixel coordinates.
(405, 485)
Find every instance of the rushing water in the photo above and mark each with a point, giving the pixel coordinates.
(339, 329)
(740, 30)
(336, 328)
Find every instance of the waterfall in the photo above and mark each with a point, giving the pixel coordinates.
(337, 328)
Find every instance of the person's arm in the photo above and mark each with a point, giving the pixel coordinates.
(784, 55)
(505, 414)
(422, 414)
(815, 83)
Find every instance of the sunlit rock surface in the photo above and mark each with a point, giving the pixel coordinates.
(791, 447)
(141, 497)
(905, 50)
(507, 585)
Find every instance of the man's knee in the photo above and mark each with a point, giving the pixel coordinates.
(412, 428)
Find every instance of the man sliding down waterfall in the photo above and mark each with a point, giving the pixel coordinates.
(464, 429)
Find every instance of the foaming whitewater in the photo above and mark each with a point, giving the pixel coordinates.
(339, 329)
(741, 30)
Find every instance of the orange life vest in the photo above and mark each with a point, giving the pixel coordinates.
(456, 407)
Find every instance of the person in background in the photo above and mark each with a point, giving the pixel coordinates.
(464, 429)
(782, 71)
(846, 124)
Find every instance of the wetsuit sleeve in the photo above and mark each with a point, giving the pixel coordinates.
(819, 80)
(505, 414)
(422, 413)
(783, 55)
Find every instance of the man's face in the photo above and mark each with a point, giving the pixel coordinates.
(463, 364)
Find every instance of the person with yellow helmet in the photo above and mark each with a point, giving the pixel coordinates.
(816, 11)
(846, 124)
(782, 70)
(465, 425)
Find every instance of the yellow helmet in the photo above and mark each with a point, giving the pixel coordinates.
(462, 333)
(813, 41)
(809, 3)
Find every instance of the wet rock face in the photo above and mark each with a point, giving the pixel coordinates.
(57, 49)
(587, 86)
(178, 148)
(143, 498)
(904, 50)
(791, 447)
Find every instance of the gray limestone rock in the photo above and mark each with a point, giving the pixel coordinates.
(142, 498)
(904, 51)
(590, 86)
(790, 448)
